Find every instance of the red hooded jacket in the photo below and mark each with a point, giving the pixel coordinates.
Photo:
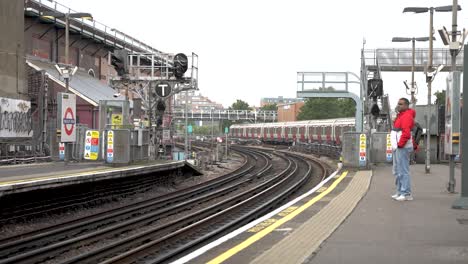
(405, 122)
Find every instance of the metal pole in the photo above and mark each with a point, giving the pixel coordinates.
(212, 128)
(451, 184)
(429, 91)
(126, 91)
(462, 202)
(67, 25)
(186, 125)
(66, 144)
(413, 99)
(226, 145)
(45, 111)
(150, 123)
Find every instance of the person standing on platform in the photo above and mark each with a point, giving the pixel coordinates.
(402, 146)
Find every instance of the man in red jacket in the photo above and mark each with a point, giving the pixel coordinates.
(402, 145)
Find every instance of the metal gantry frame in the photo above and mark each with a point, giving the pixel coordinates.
(317, 84)
(145, 70)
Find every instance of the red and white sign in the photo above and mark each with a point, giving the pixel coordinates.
(68, 117)
(61, 151)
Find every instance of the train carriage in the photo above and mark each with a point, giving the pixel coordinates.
(327, 131)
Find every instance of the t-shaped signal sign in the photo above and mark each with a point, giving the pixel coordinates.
(163, 89)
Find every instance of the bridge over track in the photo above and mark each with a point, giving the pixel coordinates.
(216, 115)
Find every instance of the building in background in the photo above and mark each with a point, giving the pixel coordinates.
(289, 111)
(31, 46)
(279, 100)
(196, 101)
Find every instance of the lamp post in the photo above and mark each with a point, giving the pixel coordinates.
(67, 16)
(413, 40)
(53, 15)
(66, 72)
(429, 79)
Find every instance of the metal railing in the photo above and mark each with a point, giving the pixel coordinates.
(95, 29)
(326, 81)
(401, 59)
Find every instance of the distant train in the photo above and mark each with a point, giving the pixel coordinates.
(325, 131)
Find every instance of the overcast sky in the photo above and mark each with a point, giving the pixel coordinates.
(253, 49)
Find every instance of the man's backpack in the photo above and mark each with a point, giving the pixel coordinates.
(417, 133)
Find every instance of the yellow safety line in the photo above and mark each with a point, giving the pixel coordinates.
(231, 252)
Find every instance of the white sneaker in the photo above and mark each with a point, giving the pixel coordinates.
(395, 195)
(404, 198)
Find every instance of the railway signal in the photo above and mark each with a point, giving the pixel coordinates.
(180, 65)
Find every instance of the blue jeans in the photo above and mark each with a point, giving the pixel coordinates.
(401, 160)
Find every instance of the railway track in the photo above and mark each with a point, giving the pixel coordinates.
(159, 229)
(40, 240)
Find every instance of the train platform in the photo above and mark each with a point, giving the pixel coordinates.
(353, 219)
(29, 177)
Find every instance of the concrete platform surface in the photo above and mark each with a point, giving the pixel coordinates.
(28, 177)
(382, 230)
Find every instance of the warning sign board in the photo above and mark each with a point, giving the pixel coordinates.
(389, 149)
(117, 120)
(110, 146)
(62, 151)
(362, 149)
(91, 145)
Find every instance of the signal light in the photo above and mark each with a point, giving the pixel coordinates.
(180, 65)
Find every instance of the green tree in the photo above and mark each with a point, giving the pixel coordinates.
(325, 108)
(440, 97)
(269, 107)
(202, 130)
(240, 105)
(347, 107)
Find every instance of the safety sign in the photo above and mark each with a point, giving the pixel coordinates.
(91, 145)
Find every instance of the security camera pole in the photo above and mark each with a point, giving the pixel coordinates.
(413, 41)
(67, 72)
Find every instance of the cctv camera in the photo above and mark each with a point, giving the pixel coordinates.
(74, 70)
(116, 95)
(59, 70)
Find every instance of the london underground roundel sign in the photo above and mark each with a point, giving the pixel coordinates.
(68, 117)
(69, 121)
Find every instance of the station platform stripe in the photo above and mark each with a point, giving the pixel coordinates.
(306, 240)
(254, 238)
